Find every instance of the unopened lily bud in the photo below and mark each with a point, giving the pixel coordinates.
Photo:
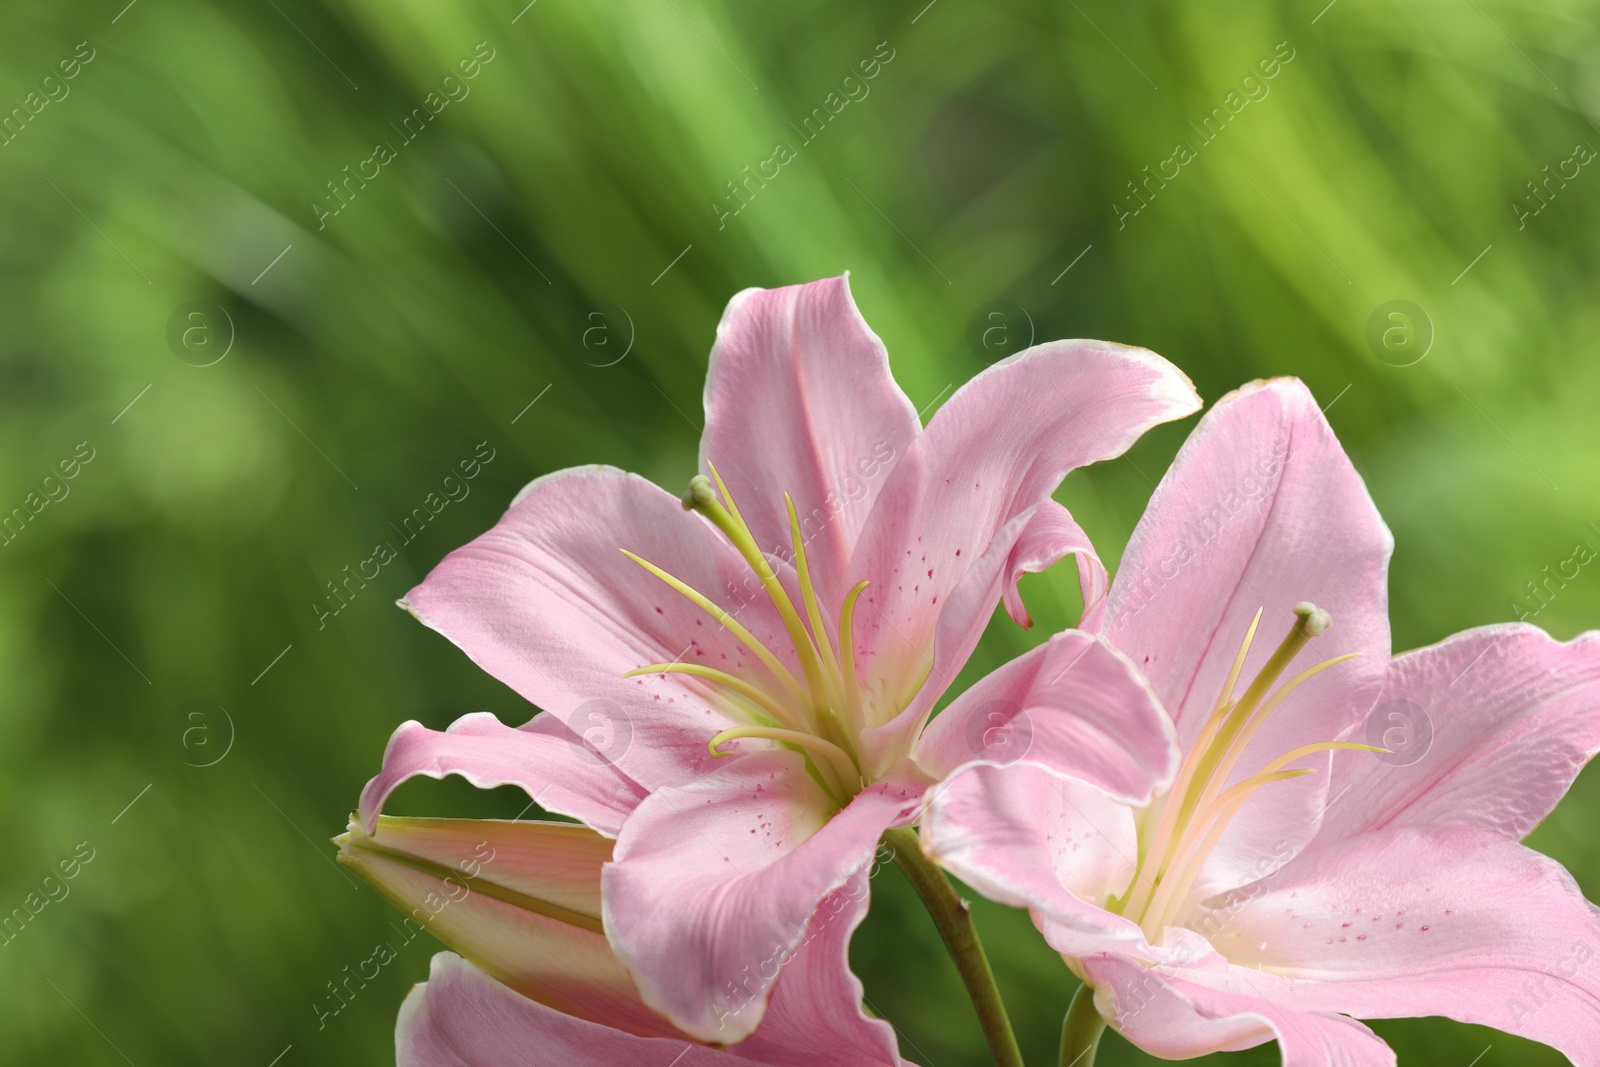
(520, 899)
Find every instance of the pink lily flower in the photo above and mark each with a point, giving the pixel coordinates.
(736, 684)
(521, 901)
(1286, 886)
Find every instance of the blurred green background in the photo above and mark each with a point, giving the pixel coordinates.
(564, 232)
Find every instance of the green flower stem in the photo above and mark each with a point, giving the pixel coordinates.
(1080, 1032)
(954, 920)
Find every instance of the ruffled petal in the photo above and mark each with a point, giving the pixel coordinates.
(1260, 510)
(1028, 838)
(560, 770)
(520, 899)
(814, 1018)
(460, 1017)
(966, 489)
(1425, 921)
(1049, 535)
(547, 603)
(799, 399)
(1074, 704)
(1166, 1014)
(1488, 729)
(715, 881)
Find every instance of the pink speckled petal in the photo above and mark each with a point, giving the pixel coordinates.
(938, 544)
(799, 400)
(1435, 920)
(714, 883)
(815, 1017)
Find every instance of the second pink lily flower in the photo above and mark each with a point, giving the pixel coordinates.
(736, 684)
(1288, 884)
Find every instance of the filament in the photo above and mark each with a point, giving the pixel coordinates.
(846, 777)
(1198, 810)
(733, 625)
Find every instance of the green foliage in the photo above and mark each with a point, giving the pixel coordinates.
(583, 170)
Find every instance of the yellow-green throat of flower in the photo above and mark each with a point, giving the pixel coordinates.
(819, 714)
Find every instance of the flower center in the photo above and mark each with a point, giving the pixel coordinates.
(1198, 809)
(818, 715)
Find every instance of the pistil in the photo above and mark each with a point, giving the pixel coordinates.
(844, 778)
(1199, 809)
(727, 519)
(820, 718)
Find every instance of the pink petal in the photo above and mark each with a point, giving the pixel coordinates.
(1427, 921)
(1026, 837)
(1075, 704)
(547, 603)
(814, 1018)
(715, 881)
(547, 760)
(1167, 1015)
(880, 746)
(461, 1017)
(1049, 535)
(799, 399)
(520, 899)
(997, 449)
(1489, 728)
(990, 457)
(1260, 510)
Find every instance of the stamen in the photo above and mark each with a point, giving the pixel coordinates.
(1188, 861)
(754, 693)
(733, 526)
(1220, 813)
(1176, 808)
(1177, 798)
(809, 594)
(1217, 749)
(1310, 621)
(847, 777)
(733, 625)
(821, 718)
(847, 655)
(1320, 746)
(1259, 719)
(1238, 661)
